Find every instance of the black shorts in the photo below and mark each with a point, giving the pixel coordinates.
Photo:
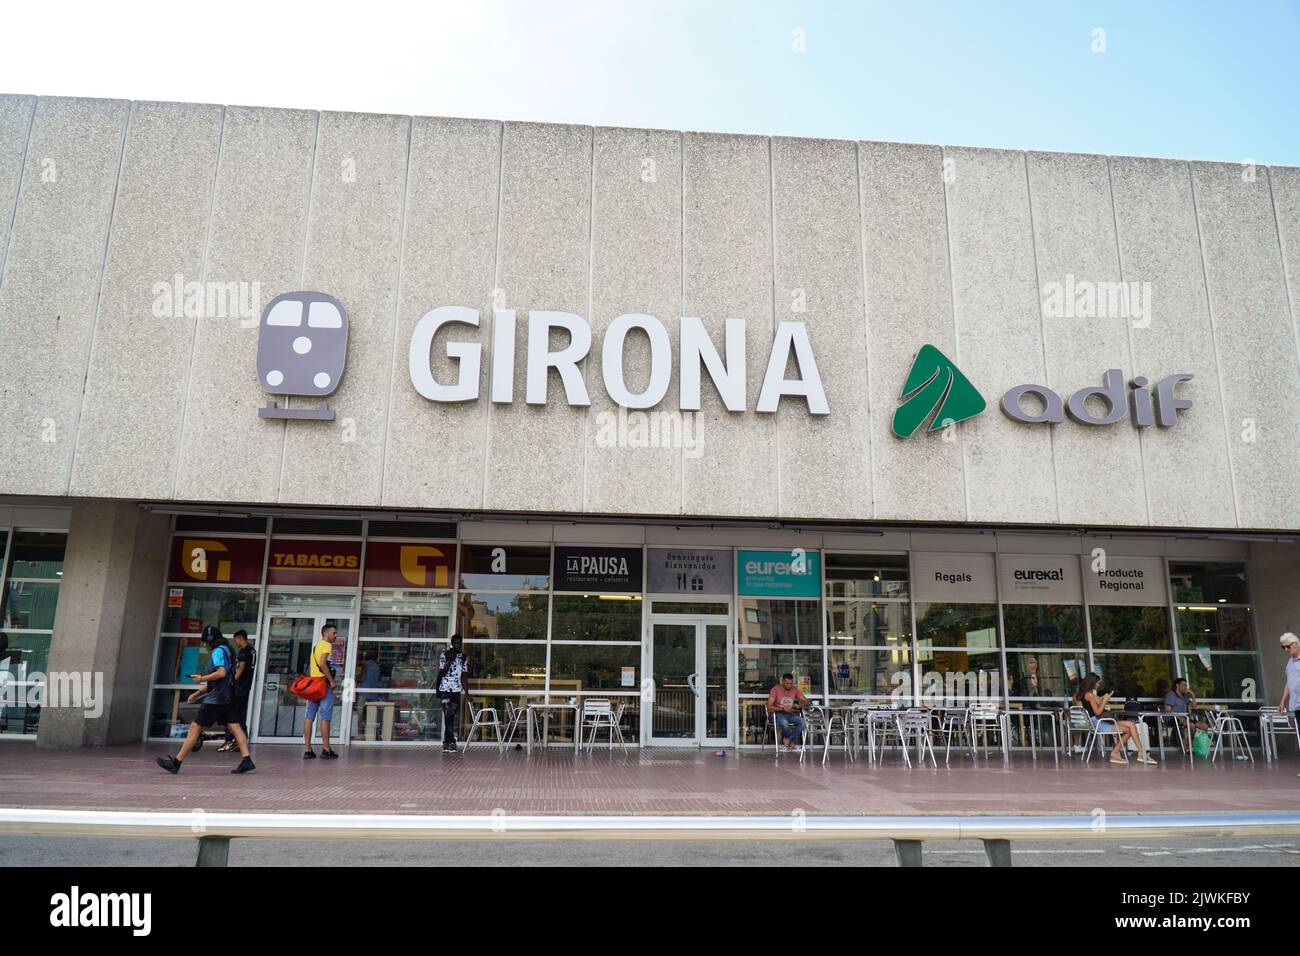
(223, 714)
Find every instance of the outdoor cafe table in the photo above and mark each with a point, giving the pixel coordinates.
(1158, 718)
(545, 708)
(1034, 716)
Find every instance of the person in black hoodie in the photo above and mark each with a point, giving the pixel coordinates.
(218, 705)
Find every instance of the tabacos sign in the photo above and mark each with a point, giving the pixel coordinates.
(937, 391)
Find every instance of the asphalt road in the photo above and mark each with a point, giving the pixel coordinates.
(77, 852)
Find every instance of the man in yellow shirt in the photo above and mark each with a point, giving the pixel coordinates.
(320, 667)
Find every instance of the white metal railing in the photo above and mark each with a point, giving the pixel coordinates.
(214, 830)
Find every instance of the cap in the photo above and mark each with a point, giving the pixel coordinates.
(211, 634)
(1288, 639)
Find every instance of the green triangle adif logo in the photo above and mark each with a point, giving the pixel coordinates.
(935, 387)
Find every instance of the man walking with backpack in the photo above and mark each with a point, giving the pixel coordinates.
(453, 666)
(217, 706)
(245, 661)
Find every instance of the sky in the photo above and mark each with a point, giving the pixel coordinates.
(1191, 80)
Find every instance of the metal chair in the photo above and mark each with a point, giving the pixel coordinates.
(481, 716)
(776, 737)
(954, 722)
(881, 725)
(1230, 727)
(1270, 722)
(828, 725)
(516, 714)
(982, 720)
(597, 713)
(914, 729)
(1095, 728)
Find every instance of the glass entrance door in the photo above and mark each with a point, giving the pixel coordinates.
(290, 636)
(689, 662)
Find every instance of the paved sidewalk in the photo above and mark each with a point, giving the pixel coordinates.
(423, 780)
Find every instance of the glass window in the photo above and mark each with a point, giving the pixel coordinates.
(760, 668)
(587, 667)
(500, 667)
(30, 606)
(1219, 675)
(764, 621)
(1135, 675)
(972, 626)
(866, 575)
(1209, 582)
(404, 664)
(868, 672)
(505, 617)
(505, 567)
(1044, 674)
(37, 554)
(1136, 628)
(868, 623)
(1043, 625)
(228, 608)
(179, 657)
(399, 716)
(592, 617)
(24, 655)
(421, 530)
(1214, 627)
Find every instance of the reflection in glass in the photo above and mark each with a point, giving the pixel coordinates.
(1213, 627)
(1043, 625)
(1209, 582)
(592, 617)
(868, 623)
(1125, 628)
(1135, 675)
(765, 621)
(584, 667)
(504, 567)
(1224, 676)
(228, 608)
(1044, 673)
(760, 668)
(30, 606)
(863, 672)
(866, 575)
(505, 617)
(499, 667)
(972, 626)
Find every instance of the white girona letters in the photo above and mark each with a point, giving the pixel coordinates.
(696, 350)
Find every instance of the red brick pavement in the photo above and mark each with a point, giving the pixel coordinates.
(423, 780)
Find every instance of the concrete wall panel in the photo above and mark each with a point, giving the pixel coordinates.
(636, 266)
(909, 304)
(825, 461)
(436, 451)
(1255, 341)
(1009, 468)
(1098, 468)
(256, 239)
(353, 252)
(1189, 481)
(140, 357)
(544, 262)
(727, 229)
(51, 281)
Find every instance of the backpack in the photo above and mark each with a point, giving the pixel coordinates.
(222, 691)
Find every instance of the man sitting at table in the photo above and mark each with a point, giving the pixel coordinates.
(1180, 701)
(787, 701)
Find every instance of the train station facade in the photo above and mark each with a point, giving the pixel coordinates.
(646, 415)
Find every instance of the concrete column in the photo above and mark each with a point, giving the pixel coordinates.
(1273, 575)
(105, 626)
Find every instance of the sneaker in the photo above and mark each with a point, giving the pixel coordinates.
(198, 745)
(170, 764)
(245, 765)
(228, 746)
(453, 749)
(309, 755)
(329, 755)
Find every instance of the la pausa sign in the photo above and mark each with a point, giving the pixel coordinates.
(696, 350)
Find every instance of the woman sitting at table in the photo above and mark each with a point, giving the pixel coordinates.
(1095, 707)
